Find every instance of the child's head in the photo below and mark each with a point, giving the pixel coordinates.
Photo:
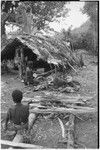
(17, 96)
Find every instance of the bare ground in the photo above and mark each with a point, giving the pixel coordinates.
(48, 133)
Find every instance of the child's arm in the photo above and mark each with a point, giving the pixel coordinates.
(7, 119)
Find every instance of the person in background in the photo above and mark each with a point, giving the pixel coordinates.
(28, 76)
(4, 62)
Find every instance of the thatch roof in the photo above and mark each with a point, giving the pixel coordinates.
(48, 48)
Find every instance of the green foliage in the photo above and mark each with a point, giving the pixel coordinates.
(91, 9)
(86, 37)
(85, 41)
(8, 6)
(8, 13)
(43, 11)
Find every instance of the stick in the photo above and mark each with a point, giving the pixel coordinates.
(79, 107)
(22, 145)
(70, 143)
(62, 110)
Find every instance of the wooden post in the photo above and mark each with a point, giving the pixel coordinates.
(31, 121)
(21, 62)
(70, 135)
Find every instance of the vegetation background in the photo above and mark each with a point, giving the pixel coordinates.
(44, 12)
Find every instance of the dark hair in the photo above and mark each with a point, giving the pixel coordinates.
(17, 96)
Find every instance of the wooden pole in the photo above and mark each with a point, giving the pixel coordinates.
(31, 121)
(70, 134)
(21, 145)
(62, 110)
(21, 62)
(66, 99)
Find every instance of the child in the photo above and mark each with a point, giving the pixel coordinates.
(18, 115)
(29, 75)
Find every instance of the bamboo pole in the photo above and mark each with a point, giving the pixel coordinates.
(70, 134)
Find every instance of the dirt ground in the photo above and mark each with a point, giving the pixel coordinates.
(47, 133)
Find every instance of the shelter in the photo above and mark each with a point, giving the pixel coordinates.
(46, 49)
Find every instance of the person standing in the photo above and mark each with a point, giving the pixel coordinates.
(29, 76)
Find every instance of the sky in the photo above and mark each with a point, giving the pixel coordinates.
(75, 18)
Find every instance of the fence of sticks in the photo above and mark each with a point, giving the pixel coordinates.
(70, 106)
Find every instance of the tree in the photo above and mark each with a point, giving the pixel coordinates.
(39, 12)
(46, 11)
(7, 13)
(91, 9)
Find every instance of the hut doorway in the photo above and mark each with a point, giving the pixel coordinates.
(9, 53)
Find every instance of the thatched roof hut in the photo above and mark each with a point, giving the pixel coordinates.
(47, 48)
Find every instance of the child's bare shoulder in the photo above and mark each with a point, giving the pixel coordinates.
(25, 106)
(12, 107)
